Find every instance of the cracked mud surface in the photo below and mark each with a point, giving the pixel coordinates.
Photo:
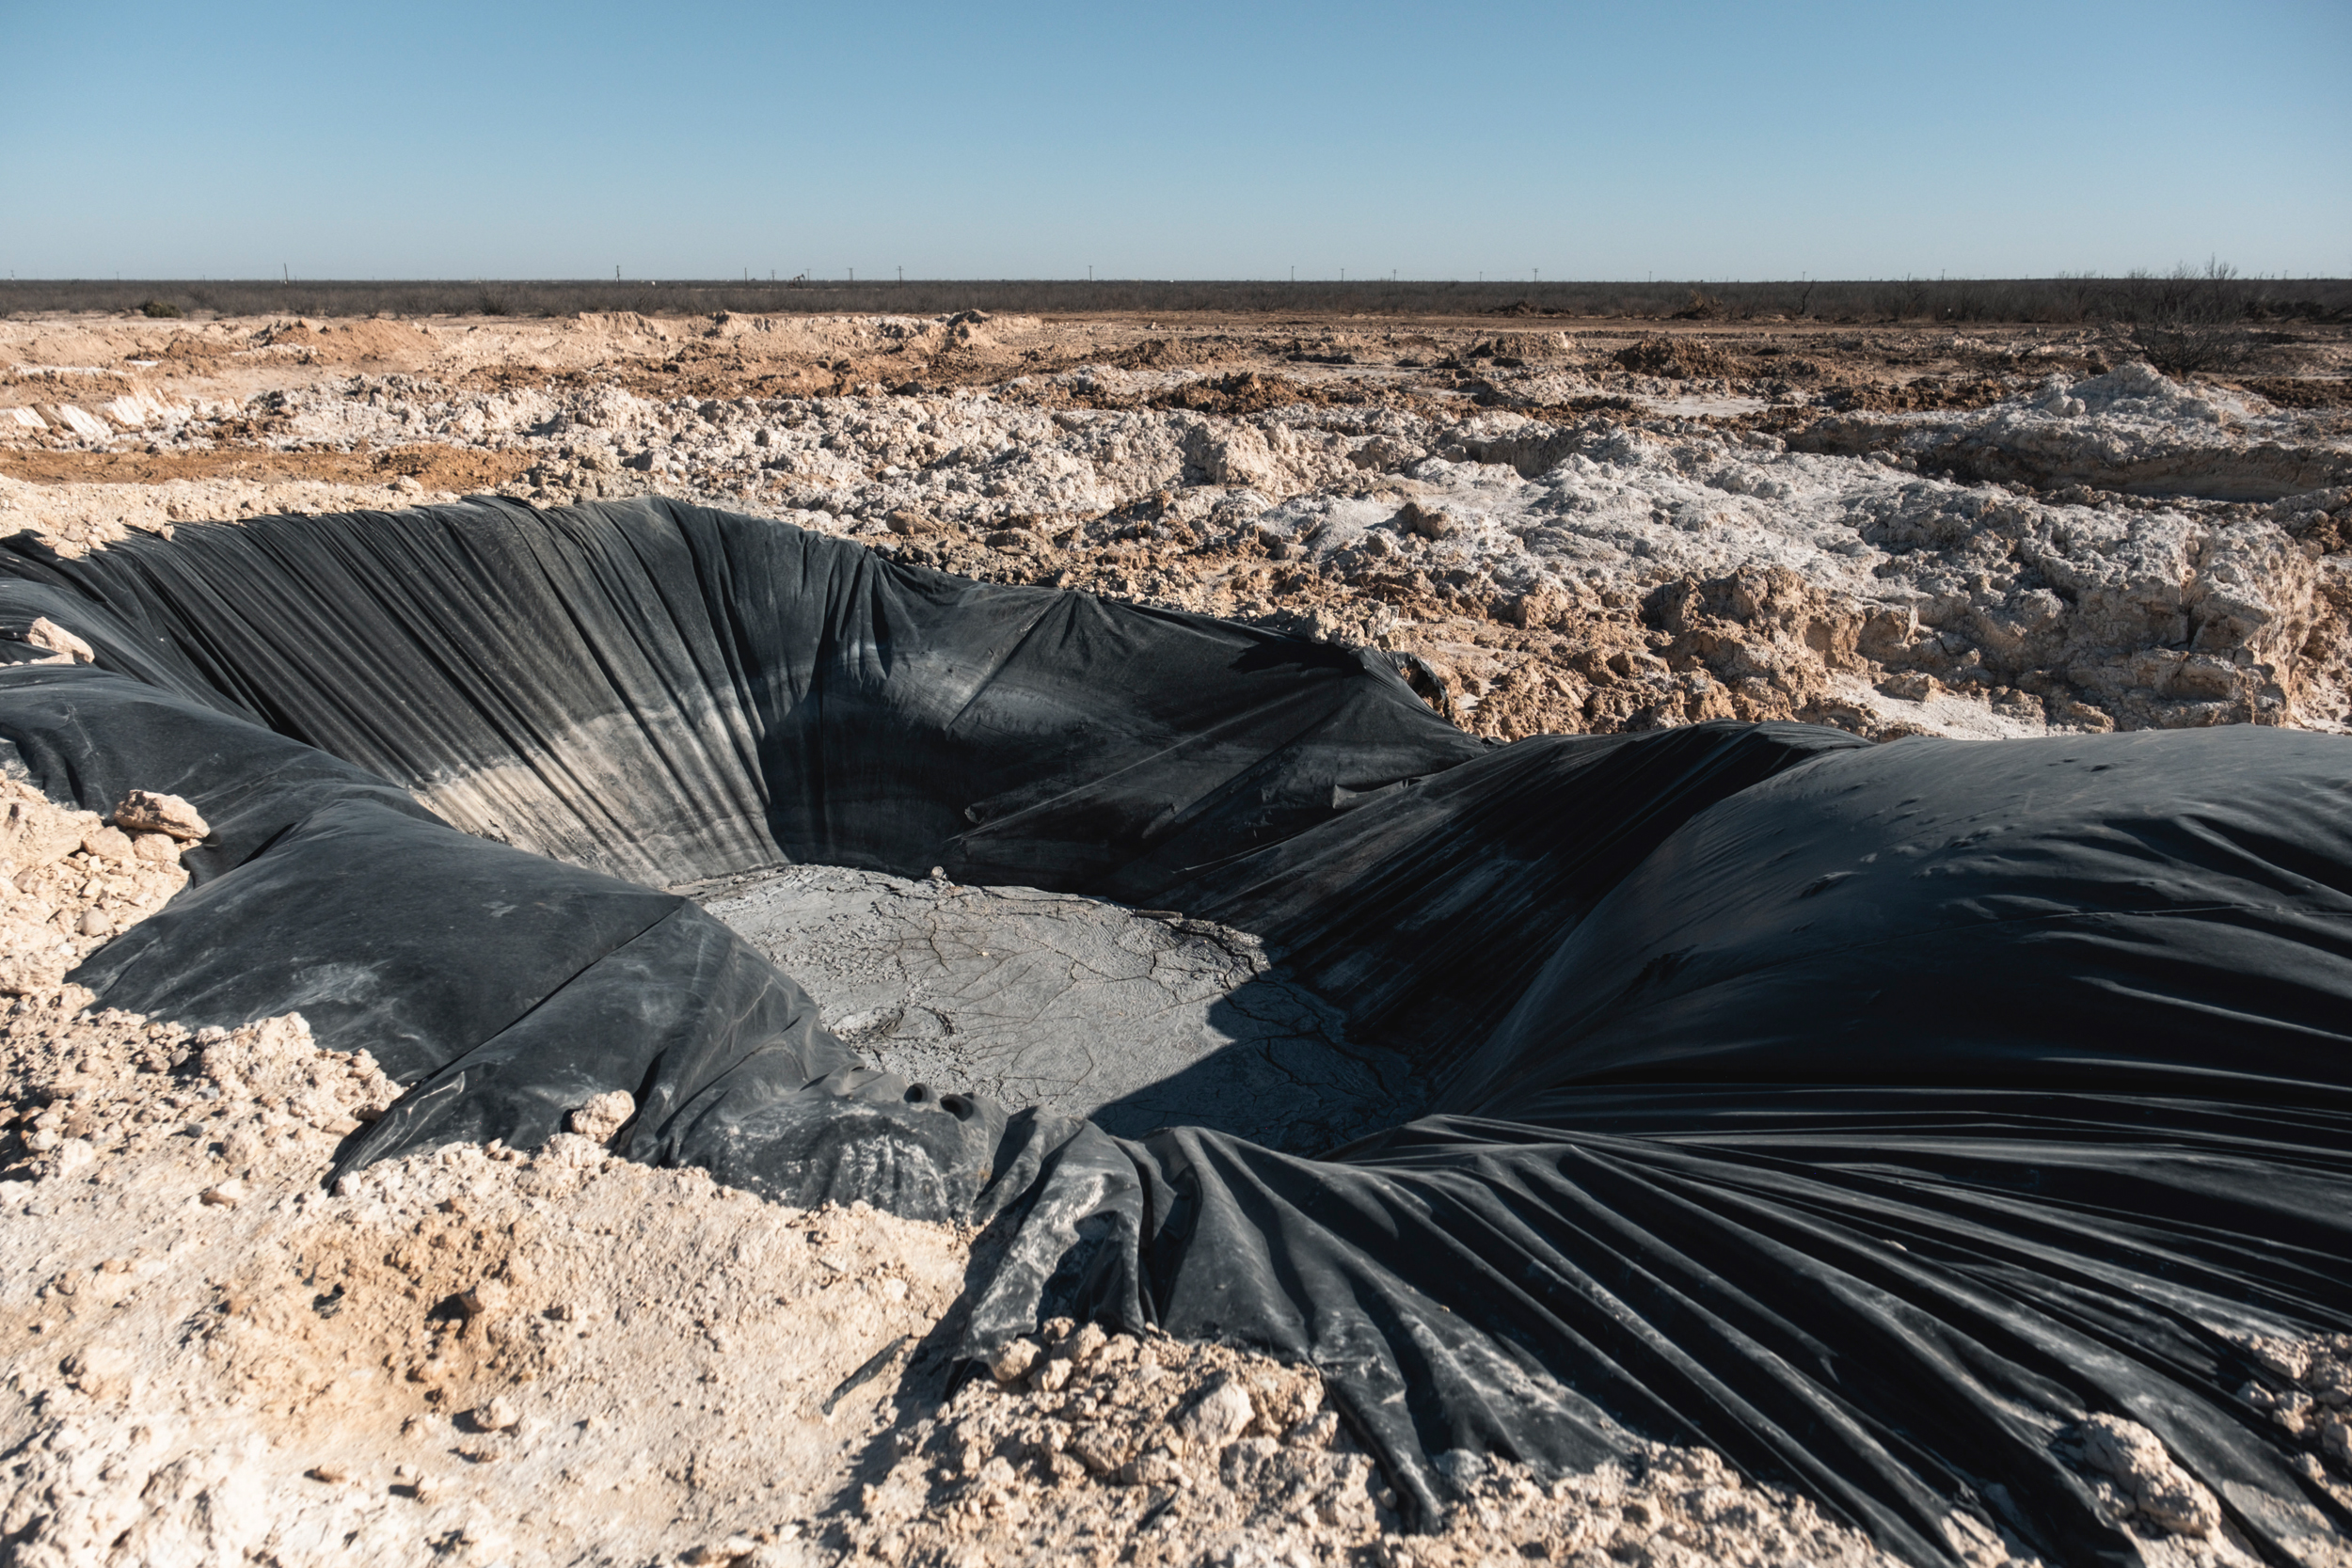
(1138, 1019)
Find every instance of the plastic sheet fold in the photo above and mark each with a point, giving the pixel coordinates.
(1871, 1114)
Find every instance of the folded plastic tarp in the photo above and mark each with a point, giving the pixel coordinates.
(1894, 1112)
(1870, 1114)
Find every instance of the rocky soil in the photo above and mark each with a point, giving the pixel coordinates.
(1618, 526)
(549, 1355)
(1089, 1448)
(480, 1355)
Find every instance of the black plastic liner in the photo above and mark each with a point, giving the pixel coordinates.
(1870, 1114)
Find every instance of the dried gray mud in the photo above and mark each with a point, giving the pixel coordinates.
(1138, 1019)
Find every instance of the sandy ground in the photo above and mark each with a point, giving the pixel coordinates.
(549, 1355)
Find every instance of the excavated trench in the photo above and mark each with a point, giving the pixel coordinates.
(1874, 1115)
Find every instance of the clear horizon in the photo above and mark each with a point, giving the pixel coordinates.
(1697, 142)
(1492, 282)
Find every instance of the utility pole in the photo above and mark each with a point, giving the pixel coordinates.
(853, 275)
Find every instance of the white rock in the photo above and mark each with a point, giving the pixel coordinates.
(604, 1115)
(46, 633)
(486, 1299)
(143, 811)
(2137, 1460)
(1222, 1413)
(1013, 1362)
(158, 849)
(101, 1371)
(85, 425)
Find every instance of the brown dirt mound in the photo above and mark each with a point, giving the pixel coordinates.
(434, 467)
(1252, 392)
(1926, 393)
(189, 348)
(1172, 353)
(358, 341)
(2302, 392)
(1680, 358)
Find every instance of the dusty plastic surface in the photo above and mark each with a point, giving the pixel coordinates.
(1872, 1114)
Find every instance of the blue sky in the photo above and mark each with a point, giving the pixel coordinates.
(1199, 140)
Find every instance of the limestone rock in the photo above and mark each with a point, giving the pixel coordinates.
(2135, 1458)
(46, 633)
(1221, 1415)
(604, 1115)
(1427, 522)
(145, 811)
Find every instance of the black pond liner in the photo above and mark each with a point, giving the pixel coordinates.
(1869, 1113)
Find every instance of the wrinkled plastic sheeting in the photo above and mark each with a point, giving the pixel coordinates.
(1889, 1115)
(1896, 1309)
(671, 693)
(1426, 913)
(1869, 1114)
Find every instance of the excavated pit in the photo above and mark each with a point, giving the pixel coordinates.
(1881, 1117)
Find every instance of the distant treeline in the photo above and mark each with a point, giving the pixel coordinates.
(2214, 293)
